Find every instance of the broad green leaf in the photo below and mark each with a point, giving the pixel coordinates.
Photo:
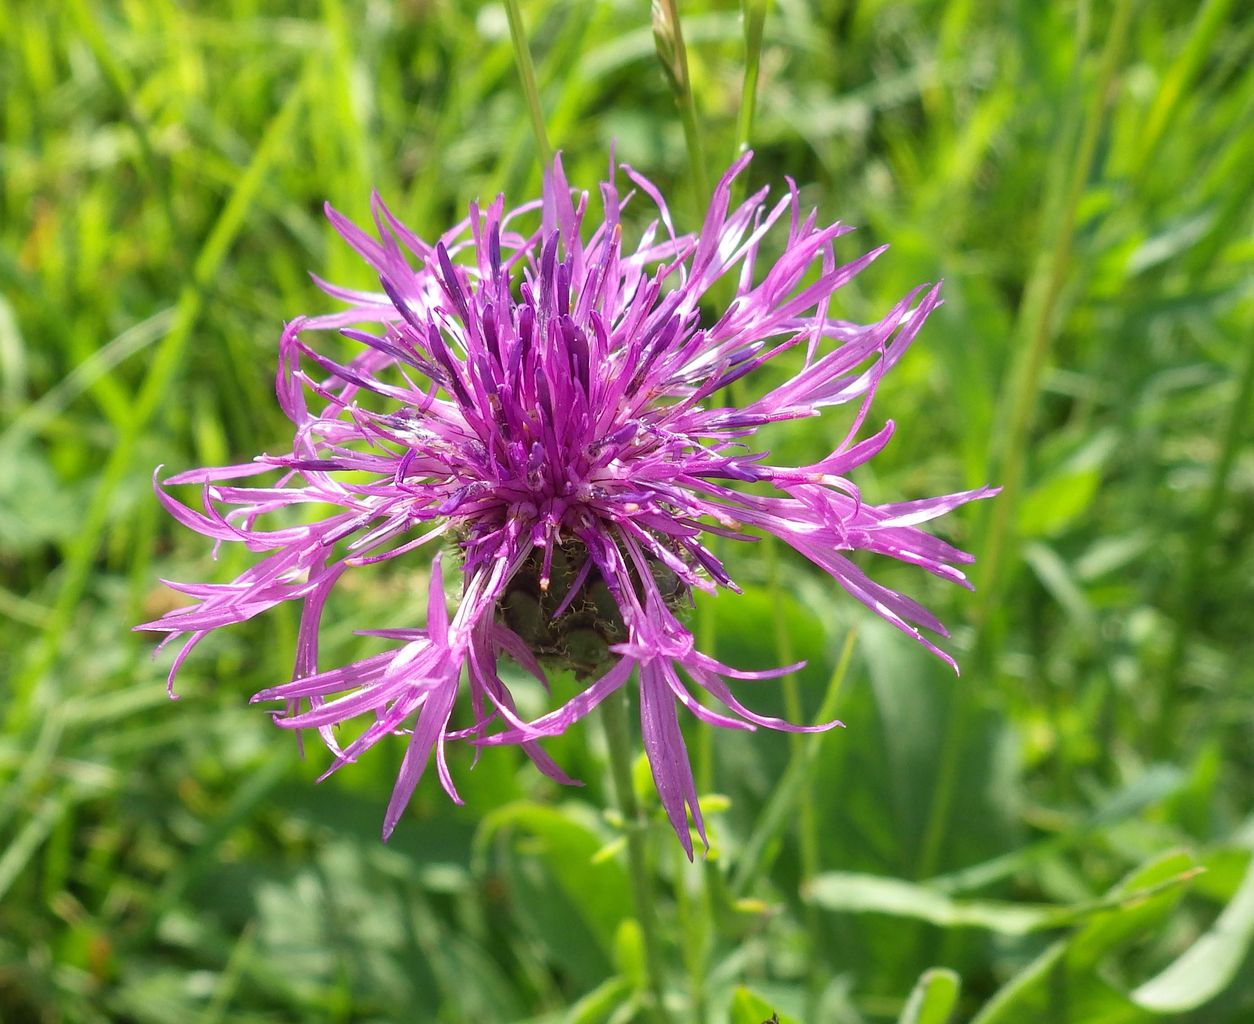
(937, 818)
(1048, 990)
(1053, 504)
(1137, 904)
(1208, 966)
(747, 1007)
(551, 916)
(861, 894)
(1156, 784)
(857, 893)
(597, 887)
(36, 507)
(933, 998)
(155, 995)
(1065, 974)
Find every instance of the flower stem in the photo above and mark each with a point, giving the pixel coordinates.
(618, 739)
(668, 36)
(527, 72)
(754, 14)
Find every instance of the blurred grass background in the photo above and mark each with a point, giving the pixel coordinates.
(1080, 174)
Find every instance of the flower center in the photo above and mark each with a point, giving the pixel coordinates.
(575, 630)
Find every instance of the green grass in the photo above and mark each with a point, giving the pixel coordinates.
(1067, 829)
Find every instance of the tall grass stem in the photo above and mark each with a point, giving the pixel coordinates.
(754, 14)
(668, 36)
(527, 73)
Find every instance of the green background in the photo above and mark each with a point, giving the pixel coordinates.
(1066, 827)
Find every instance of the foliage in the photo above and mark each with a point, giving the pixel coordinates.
(1066, 828)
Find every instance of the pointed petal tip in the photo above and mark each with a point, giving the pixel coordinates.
(700, 826)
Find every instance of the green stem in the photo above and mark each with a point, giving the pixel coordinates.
(1038, 310)
(527, 72)
(754, 14)
(668, 35)
(635, 826)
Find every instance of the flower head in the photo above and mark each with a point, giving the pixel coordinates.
(554, 405)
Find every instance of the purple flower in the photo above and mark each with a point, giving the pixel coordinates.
(555, 407)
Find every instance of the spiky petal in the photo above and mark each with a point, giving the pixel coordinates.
(537, 394)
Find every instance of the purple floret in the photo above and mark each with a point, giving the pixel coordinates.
(555, 409)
